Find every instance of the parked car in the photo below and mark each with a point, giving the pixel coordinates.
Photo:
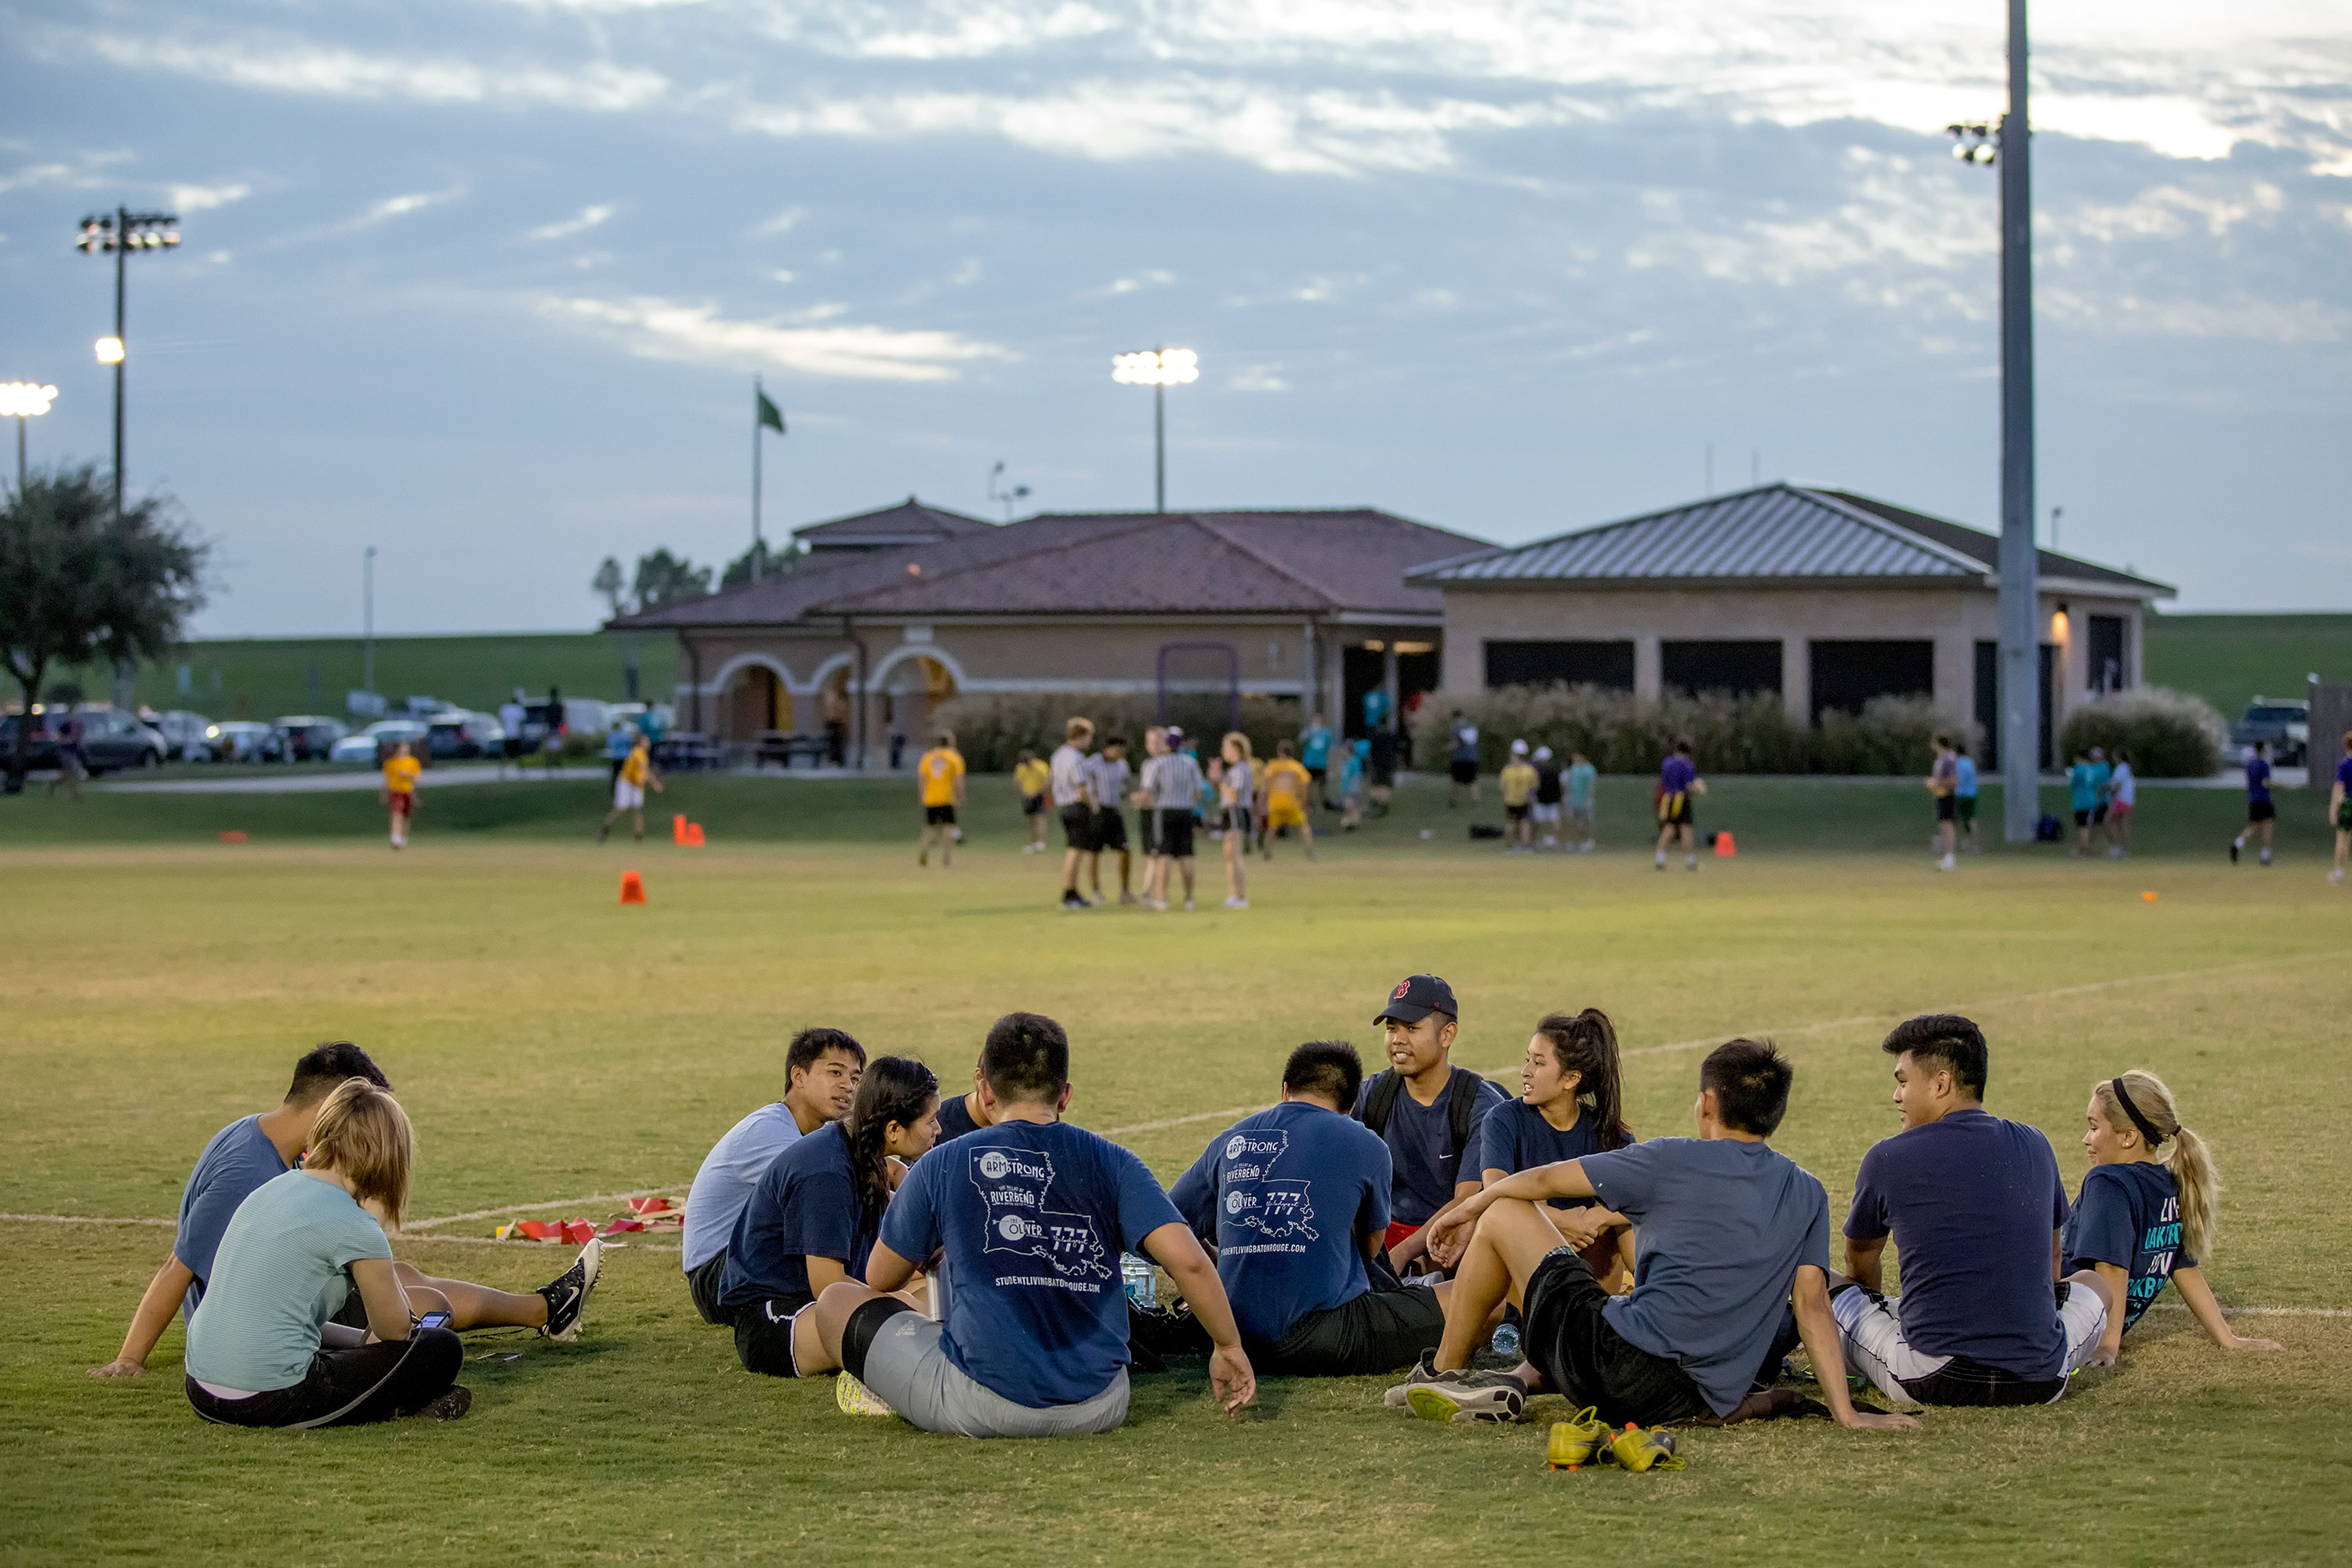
(245, 741)
(456, 734)
(2281, 723)
(371, 744)
(109, 740)
(307, 738)
(183, 733)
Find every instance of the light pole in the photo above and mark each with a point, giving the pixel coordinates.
(2010, 145)
(24, 400)
(1006, 496)
(1157, 368)
(367, 621)
(118, 234)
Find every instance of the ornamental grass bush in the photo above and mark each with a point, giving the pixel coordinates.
(2170, 734)
(991, 732)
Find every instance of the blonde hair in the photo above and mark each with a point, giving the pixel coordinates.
(1077, 728)
(361, 1134)
(2190, 1162)
(1237, 739)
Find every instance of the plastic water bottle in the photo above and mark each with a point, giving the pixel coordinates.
(1142, 1284)
(1506, 1341)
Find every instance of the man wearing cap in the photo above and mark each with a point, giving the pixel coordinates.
(1426, 1110)
(1518, 785)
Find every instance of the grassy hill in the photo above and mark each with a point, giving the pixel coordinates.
(2230, 659)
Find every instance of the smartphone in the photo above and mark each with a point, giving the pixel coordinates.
(433, 1320)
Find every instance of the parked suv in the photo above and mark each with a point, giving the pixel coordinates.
(2281, 723)
(461, 734)
(110, 740)
(307, 738)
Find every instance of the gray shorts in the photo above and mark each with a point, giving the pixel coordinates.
(909, 1368)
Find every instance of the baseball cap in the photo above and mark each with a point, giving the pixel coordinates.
(1415, 997)
(1518, 748)
(1174, 734)
(1543, 753)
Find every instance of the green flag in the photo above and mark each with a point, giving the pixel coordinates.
(766, 413)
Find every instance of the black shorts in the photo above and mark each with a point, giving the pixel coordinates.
(935, 815)
(1078, 827)
(1033, 805)
(2261, 811)
(702, 1284)
(1674, 810)
(1379, 1330)
(1947, 808)
(1172, 832)
(1110, 830)
(1585, 1360)
(1515, 813)
(1466, 773)
(349, 1387)
(764, 1334)
(514, 747)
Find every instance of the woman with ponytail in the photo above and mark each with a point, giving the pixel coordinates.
(813, 1217)
(2148, 1210)
(1568, 1107)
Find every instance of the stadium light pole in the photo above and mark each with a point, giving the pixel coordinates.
(2009, 145)
(26, 400)
(367, 621)
(118, 234)
(1157, 368)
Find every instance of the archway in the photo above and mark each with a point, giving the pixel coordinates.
(911, 689)
(756, 694)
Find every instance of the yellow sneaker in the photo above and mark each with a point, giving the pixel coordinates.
(1635, 1449)
(1582, 1440)
(855, 1399)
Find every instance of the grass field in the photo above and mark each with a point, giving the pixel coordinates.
(552, 1044)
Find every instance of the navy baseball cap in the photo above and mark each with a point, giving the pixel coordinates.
(1415, 997)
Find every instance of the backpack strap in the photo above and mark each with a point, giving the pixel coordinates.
(1461, 1100)
(1382, 1102)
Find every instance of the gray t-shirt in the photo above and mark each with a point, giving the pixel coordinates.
(237, 1163)
(282, 1271)
(1721, 1227)
(1110, 780)
(1174, 780)
(1071, 776)
(723, 1185)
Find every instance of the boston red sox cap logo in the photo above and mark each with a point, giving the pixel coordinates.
(1402, 986)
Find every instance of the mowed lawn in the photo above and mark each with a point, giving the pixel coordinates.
(552, 1044)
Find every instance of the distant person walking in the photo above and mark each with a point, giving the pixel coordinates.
(1351, 786)
(1382, 760)
(1237, 794)
(1944, 786)
(1287, 783)
(1171, 793)
(1031, 780)
(2261, 812)
(1074, 798)
(1964, 796)
(1678, 787)
(1462, 758)
(619, 740)
(1544, 807)
(2087, 787)
(2122, 788)
(2339, 810)
(513, 717)
(1315, 756)
(400, 773)
(72, 766)
(1518, 786)
(1583, 779)
(941, 769)
(638, 775)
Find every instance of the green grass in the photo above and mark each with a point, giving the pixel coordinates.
(549, 1043)
(2228, 660)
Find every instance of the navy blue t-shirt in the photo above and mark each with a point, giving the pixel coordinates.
(1288, 1196)
(955, 1119)
(2129, 1215)
(1517, 1138)
(1033, 1217)
(1421, 1145)
(2258, 781)
(806, 1206)
(239, 1158)
(1972, 1202)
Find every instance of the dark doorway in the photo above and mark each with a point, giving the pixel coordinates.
(2108, 654)
(1848, 674)
(1360, 672)
(1988, 702)
(1738, 668)
(1609, 664)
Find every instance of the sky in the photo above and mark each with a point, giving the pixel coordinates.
(484, 283)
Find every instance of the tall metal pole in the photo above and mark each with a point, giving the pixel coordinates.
(367, 619)
(2020, 659)
(121, 255)
(757, 395)
(20, 453)
(1159, 446)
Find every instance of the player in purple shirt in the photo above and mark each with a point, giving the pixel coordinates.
(1678, 787)
(2262, 814)
(2339, 810)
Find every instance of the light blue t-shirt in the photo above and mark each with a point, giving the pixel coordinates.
(239, 1161)
(1964, 773)
(1315, 748)
(619, 744)
(730, 1172)
(1722, 1226)
(1581, 779)
(283, 1269)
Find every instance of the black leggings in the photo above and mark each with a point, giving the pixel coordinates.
(394, 1377)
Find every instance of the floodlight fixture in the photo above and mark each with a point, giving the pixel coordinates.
(1157, 368)
(121, 234)
(109, 351)
(1974, 141)
(23, 400)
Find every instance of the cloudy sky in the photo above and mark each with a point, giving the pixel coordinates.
(484, 282)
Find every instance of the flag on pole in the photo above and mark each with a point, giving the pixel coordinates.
(766, 413)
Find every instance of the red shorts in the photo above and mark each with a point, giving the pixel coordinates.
(402, 802)
(1398, 1230)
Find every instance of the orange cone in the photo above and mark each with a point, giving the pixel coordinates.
(633, 888)
(694, 836)
(1723, 847)
(2147, 897)
(678, 828)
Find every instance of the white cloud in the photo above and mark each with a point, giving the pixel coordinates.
(1149, 278)
(326, 71)
(203, 198)
(587, 217)
(783, 222)
(1258, 378)
(402, 206)
(699, 334)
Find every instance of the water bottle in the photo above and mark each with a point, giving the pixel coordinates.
(1142, 1284)
(1505, 1343)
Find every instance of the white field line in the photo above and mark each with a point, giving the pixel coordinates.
(83, 1219)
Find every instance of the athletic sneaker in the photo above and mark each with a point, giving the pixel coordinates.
(1188, 903)
(567, 1294)
(1483, 1396)
(1232, 904)
(1582, 1440)
(1126, 898)
(1946, 864)
(854, 1399)
(2235, 846)
(450, 1405)
(2335, 876)
(1073, 899)
(1637, 1449)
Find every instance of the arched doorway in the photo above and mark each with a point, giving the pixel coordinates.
(911, 690)
(755, 698)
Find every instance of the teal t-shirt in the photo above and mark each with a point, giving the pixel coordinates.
(1581, 779)
(2085, 786)
(282, 1271)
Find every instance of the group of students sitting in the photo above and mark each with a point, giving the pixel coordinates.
(961, 1259)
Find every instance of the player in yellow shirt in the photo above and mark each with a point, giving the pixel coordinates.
(1287, 786)
(629, 788)
(400, 771)
(940, 771)
(1033, 777)
(1519, 781)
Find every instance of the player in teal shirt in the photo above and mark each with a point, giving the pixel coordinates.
(1582, 778)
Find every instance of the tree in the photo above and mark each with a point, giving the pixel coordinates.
(79, 583)
(609, 582)
(772, 564)
(665, 579)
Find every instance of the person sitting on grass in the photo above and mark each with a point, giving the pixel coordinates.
(262, 1348)
(1976, 1211)
(1429, 1113)
(813, 1217)
(2144, 1216)
(821, 1073)
(1295, 1198)
(1032, 1215)
(1567, 1109)
(1732, 1231)
(253, 1150)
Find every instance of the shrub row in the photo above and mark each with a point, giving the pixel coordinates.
(2170, 734)
(993, 731)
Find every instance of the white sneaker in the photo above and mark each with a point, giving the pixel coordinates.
(2335, 876)
(1188, 903)
(1585, 847)
(1946, 864)
(1236, 903)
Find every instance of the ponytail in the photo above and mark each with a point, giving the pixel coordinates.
(2188, 1160)
(895, 1089)
(1586, 1045)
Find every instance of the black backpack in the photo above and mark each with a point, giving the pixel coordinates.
(1461, 1098)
